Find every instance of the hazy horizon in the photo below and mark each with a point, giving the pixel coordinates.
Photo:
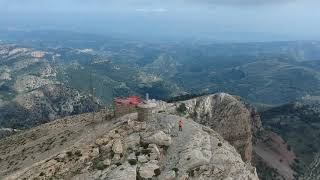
(231, 20)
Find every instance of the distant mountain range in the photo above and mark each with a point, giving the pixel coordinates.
(266, 74)
(30, 92)
(46, 76)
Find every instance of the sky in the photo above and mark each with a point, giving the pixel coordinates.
(229, 20)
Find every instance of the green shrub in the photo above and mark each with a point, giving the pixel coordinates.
(99, 165)
(78, 153)
(182, 108)
(69, 154)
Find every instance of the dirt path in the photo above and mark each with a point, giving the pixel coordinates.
(179, 140)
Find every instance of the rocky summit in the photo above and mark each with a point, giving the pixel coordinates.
(122, 148)
(235, 120)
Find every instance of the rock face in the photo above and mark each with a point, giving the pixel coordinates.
(234, 120)
(256, 124)
(158, 151)
(313, 172)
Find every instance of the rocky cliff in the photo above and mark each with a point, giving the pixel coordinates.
(121, 149)
(313, 172)
(233, 119)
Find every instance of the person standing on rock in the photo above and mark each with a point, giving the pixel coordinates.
(180, 125)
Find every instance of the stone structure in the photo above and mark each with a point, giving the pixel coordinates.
(146, 110)
(133, 104)
(121, 110)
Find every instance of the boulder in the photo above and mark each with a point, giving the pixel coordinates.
(95, 152)
(123, 172)
(170, 175)
(159, 138)
(114, 135)
(107, 162)
(61, 157)
(147, 170)
(116, 158)
(194, 158)
(131, 123)
(117, 146)
(155, 152)
(185, 177)
(102, 141)
(107, 147)
(132, 141)
(143, 158)
(132, 159)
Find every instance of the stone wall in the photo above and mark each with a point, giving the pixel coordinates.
(146, 111)
(121, 110)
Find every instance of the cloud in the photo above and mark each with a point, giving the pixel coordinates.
(213, 2)
(146, 6)
(248, 2)
(252, 2)
(151, 10)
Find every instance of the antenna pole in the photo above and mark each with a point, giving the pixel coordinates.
(92, 92)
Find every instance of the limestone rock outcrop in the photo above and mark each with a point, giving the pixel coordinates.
(233, 119)
(159, 138)
(147, 170)
(117, 147)
(157, 151)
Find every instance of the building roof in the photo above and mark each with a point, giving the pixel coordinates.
(131, 100)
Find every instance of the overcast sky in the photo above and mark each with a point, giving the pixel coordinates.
(217, 19)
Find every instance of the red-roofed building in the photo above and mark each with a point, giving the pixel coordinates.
(131, 100)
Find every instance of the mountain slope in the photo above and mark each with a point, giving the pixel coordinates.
(122, 149)
(273, 158)
(298, 124)
(30, 92)
(239, 123)
(259, 72)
